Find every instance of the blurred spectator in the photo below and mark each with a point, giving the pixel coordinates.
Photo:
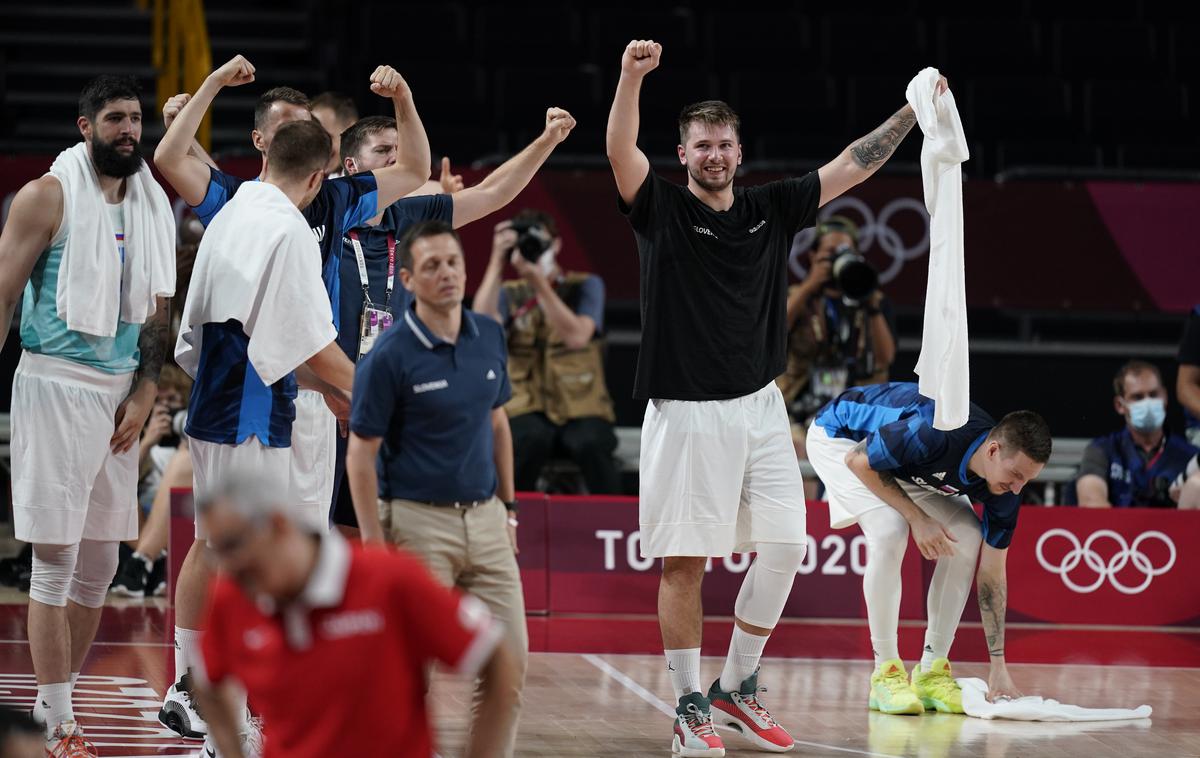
(164, 464)
(332, 642)
(1187, 386)
(554, 322)
(842, 329)
(336, 113)
(1138, 465)
(20, 735)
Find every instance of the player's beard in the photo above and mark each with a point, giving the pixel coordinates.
(707, 182)
(112, 162)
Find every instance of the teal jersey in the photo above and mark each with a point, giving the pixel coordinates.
(44, 333)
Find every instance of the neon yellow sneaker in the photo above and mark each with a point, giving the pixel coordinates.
(891, 692)
(937, 688)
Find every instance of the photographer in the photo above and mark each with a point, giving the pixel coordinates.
(841, 328)
(554, 322)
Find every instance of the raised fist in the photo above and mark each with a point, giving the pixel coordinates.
(641, 57)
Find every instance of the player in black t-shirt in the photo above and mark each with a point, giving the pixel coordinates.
(718, 470)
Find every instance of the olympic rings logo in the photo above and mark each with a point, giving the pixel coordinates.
(872, 230)
(1125, 554)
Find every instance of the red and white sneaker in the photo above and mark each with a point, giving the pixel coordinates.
(67, 742)
(742, 712)
(694, 734)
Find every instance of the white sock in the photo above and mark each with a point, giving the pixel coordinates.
(55, 701)
(885, 650)
(187, 650)
(745, 650)
(684, 667)
(936, 646)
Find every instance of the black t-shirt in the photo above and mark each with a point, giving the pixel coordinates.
(714, 286)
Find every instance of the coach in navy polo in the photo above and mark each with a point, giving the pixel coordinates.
(430, 459)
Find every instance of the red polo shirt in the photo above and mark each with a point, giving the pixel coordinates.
(341, 671)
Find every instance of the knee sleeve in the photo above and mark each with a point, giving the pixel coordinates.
(50, 577)
(768, 583)
(94, 572)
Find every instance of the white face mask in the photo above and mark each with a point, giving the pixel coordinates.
(545, 263)
(1147, 414)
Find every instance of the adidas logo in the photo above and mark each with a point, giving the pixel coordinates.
(940, 476)
(319, 232)
(491, 374)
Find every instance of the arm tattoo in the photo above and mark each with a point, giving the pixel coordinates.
(152, 344)
(889, 481)
(873, 150)
(993, 601)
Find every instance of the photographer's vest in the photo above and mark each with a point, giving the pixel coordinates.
(822, 340)
(546, 375)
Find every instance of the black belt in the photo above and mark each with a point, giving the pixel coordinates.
(462, 505)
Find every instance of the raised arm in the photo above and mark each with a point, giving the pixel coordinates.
(932, 538)
(1187, 387)
(170, 110)
(507, 181)
(32, 220)
(991, 584)
(411, 169)
(186, 171)
(863, 157)
(629, 164)
(487, 296)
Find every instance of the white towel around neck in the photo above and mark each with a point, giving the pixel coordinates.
(1033, 708)
(91, 273)
(260, 265)
(943, 365)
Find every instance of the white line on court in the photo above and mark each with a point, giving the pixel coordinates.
(657, 702)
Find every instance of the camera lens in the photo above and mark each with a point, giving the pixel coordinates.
(855, 277)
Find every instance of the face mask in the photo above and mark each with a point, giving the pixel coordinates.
(546, 263)
(1148, 414)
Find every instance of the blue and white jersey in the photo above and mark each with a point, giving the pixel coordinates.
(341, 204)
(897, 423)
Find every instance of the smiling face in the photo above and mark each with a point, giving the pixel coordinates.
(1007, 469)
(712, 154)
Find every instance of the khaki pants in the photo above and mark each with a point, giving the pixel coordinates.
(468, 549)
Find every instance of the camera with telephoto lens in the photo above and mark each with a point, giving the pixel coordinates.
(856, 278)
(532, 239)
(178, 422)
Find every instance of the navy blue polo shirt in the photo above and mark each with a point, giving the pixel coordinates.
(397, 217)
(431, 401)
(897, 422)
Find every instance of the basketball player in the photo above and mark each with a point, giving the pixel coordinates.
(339, 204)
(84, 386)
(885, 467)
(718, 470)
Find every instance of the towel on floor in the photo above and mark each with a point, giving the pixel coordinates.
(943, 364)
(91, 264)
(1033, 708)
(259, 264)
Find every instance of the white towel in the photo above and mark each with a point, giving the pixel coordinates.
(91, 265)
(1033, 708)
(943, 364)
(259, 264)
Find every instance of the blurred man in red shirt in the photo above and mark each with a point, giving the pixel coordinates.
(333, 643)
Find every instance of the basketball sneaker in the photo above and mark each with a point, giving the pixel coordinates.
(742, 712)
(156, 582)
(891, 692)
(694, 735)
(130, 581)
(67, 742)
(937, 688)
(179, 713)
